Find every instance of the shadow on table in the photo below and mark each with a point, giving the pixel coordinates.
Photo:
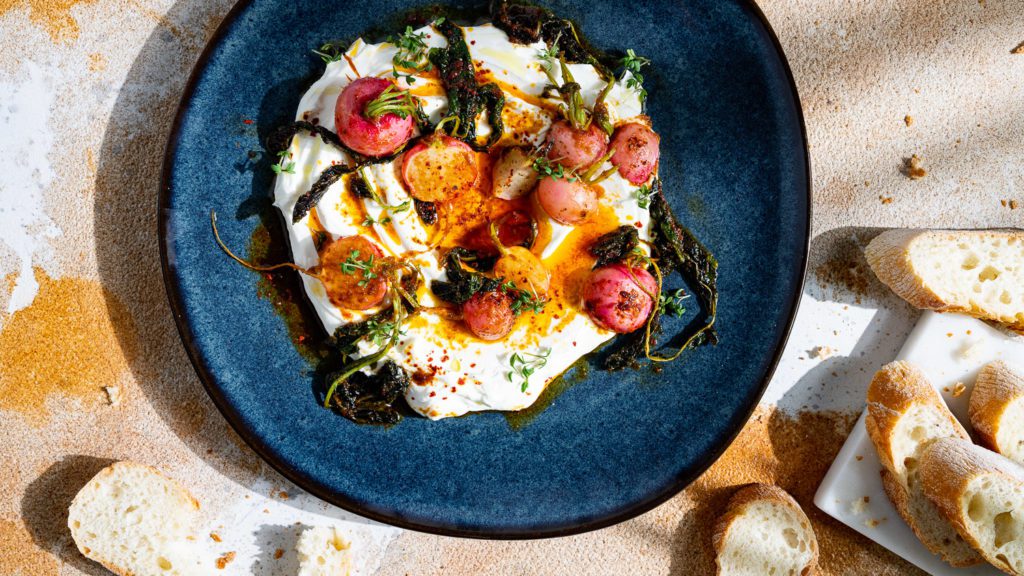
(127, 249)
(44, 509)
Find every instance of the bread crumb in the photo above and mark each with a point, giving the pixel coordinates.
(278, 553)
(215, 537)
(971, 349)
(958, 389)
(885, 199)
(1013, 204)
(822, 352)
(1019, 49)
(908, 120)
(912, 168)
(859, 458)
(225, 559)
(282, 495)
(859, 505)
(873, 522)
(113, 395)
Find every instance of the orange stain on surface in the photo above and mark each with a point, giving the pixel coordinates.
(54, 16)
(66, 343)
(21, 555)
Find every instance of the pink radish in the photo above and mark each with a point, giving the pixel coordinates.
(569, 203)
(636, 152)
(378, 136)
(619, 298)
(576, 149)
(489, 315)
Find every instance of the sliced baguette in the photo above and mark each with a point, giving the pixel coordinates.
(136, 522)
(997, 410)
(323, 551)
(905, 413)
(976, 272)
(982, 495)
(764, 531)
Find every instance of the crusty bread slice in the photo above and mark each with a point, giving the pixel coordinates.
(764, 531)
(982, 495)
(976, 272)
(323, 551)
(136, 522)
(997, 410)
(905, 413)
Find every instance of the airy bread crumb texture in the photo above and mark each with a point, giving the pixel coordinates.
(982, 494)
(136, 521)
(997, 410)
(980, 273)
(764, 531)
(323, 551)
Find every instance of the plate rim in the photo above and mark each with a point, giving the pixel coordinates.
(206, 377)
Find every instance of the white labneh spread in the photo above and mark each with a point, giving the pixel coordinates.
(463, 373)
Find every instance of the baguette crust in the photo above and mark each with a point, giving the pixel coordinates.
(896, 388)
(996, 388)
(890, 257)
(900, 394)
(754, 493)
(948, 467)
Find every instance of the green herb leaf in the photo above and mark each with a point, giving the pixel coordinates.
(643, 196)
(633, 64)
(671, 303)
(283, 166)
(330, 52)
(524, 365)
(554, 170)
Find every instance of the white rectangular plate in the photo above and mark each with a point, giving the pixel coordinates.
(950, 349)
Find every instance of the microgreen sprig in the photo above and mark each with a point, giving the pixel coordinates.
(523, 300)
(643, 196)
(330, 52)
(283, 165)
(633, 64)
(412, 53)
(369, 221)
(671, 303)
(352, 264)
(554, 170)
(525, 364)
(375, 195)
(380, 331)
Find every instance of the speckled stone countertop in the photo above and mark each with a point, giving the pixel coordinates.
(87, 92)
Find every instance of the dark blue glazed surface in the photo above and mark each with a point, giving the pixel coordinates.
(614, 445)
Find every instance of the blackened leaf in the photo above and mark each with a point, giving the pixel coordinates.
(615, 246)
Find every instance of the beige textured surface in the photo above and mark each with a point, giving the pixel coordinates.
(107, 74)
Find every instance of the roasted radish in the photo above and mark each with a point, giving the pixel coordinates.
(576, 149)
(513, 174)
(489, 315)
(567, 200)
(437, 168)
(351, 273)
(515, 228)
(636, 152)
(373, 117)
(519, 266)
(619, 298)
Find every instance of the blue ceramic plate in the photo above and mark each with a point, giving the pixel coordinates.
(611, 446)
